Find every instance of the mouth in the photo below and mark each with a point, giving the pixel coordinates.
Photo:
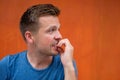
(58, 49)
(54, 46)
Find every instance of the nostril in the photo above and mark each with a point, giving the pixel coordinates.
(57, 39)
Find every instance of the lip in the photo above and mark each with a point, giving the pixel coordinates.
(54, 46)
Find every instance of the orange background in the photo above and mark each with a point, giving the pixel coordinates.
(93, 27)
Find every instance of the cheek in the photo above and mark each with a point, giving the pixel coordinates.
(48, 40)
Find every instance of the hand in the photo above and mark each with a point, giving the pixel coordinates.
(67, 55)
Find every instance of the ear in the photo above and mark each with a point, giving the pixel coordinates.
(29, 37)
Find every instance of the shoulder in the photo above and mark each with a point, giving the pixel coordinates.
(10, 59)
(7, 63)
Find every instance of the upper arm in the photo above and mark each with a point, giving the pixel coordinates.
(4, 68)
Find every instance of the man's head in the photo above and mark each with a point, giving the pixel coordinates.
(40, 26)
(30, 18)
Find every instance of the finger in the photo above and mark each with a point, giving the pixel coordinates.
(61, 42)
(61, 49)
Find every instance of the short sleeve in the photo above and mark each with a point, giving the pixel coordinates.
(4, 68)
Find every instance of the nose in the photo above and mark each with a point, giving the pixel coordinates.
(58, 36)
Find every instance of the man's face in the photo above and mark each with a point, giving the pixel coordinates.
(48, 35)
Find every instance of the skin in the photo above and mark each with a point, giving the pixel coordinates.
(42, 46)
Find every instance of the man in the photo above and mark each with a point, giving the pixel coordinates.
(44, 58)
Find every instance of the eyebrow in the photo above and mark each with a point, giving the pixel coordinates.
(54, 26)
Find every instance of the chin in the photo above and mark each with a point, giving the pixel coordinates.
(55, 53)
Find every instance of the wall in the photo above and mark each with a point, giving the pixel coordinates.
(93, 27)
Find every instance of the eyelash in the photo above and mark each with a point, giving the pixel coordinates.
(52, 30)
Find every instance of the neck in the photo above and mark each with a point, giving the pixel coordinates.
(39, 61)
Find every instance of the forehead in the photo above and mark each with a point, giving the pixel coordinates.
(49, 21)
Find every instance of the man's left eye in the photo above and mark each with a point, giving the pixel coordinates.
(51, 30)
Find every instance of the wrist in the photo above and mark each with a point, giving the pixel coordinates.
(69, 66)
(70, 73)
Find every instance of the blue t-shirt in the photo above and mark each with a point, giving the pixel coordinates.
(17, 67)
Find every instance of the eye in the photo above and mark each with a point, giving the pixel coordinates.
(52, 30)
